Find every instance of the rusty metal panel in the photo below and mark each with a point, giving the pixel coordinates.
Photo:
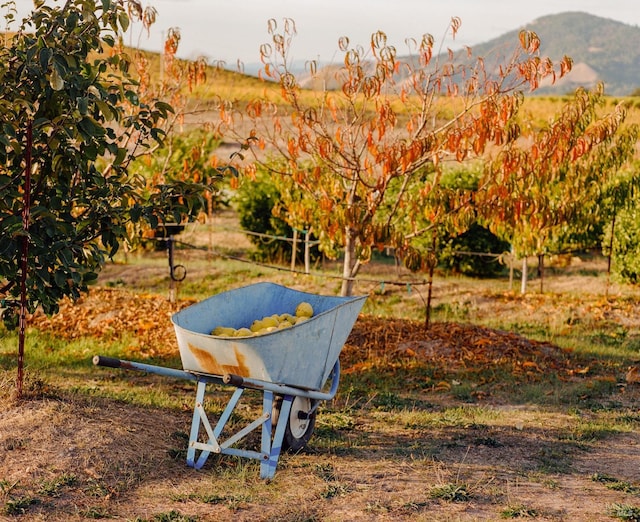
(302, 355)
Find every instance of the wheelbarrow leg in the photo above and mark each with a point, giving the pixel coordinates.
(269, 447)
(200, 418)
(195, 428)
(271, 442)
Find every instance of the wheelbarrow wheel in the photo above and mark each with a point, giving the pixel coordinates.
(301, 423)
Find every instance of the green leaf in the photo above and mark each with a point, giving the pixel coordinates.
(123, 19)
(120, 156)
(90, 129)
(106, 110)
(83, 106)
(44, 58)
(60, 278)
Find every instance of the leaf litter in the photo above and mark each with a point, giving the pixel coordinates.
(123, 460)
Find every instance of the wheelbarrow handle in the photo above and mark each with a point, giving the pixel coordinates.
(109, 362)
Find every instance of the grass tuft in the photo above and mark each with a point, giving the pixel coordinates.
(519, 511)
(451, 492)
(625, 512)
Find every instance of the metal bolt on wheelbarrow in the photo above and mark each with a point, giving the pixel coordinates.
(290, 367)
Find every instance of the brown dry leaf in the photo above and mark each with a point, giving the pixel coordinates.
(633, 375)
(530, 365)
(109, 313)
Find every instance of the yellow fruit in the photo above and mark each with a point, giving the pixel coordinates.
(269, 321)
(223, 331)
(243, 332)
(256, 326)
(287, 318)
(304, 309)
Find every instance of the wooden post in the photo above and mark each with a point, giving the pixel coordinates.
(511, 260)
(523, 284)
(294, 249)
(307, 253)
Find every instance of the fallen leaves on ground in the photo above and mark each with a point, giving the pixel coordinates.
(454, 346)
(110, 313)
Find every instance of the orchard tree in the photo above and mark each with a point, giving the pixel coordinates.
(73, 117)
(542, 184)
(377, 124)
(617, 209)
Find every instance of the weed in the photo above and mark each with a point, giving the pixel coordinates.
(625, 512)
(173, 516)
(19, 505)
(334, 490)
(14, 443)
(609, 337)
(296, 515)
(97, 489)
(95, 513)
(614, 484)
(416, 506)
(233, 502)
(51, 488)
(603, 478)
(326, 472)
(463, 393)
(6, 487)
(519, 511)
(451, 492)
(624, 486)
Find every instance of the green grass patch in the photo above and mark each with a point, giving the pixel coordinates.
(452, 492)
(518, 511)
(625, 512)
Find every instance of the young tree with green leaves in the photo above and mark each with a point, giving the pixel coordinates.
(377, 123)
(72, 119)
(542, 184)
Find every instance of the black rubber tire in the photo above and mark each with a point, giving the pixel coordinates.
(298, 429)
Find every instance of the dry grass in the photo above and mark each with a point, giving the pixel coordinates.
(508, 407)
(419, 431)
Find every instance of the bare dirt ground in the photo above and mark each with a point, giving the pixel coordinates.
(430, 453)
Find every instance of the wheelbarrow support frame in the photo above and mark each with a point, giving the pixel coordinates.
(270, 440)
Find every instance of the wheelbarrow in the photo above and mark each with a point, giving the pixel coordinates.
(290, 367)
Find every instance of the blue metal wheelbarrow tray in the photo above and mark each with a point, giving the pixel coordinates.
(289, 366)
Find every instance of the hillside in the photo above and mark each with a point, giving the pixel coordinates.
(601, 49)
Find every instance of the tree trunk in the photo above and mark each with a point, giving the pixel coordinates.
(523, 284)
(432, 269)
(512, 258)
(350, 265)
(609, 257)
(541, 271)
(24, 262)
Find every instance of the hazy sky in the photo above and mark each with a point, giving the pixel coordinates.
(234, 30)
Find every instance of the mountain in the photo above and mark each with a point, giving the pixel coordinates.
(601, 50)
